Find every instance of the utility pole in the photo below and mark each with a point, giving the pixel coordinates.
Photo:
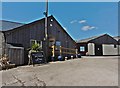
(46, 32)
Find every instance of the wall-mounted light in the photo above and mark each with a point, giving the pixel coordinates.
(51, 20)
(51, 25)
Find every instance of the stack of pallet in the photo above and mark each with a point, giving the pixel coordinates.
(5, 63)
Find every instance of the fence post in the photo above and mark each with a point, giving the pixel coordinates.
(53, 50)
(60, 51)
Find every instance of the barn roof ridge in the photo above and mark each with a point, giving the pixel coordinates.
(27, 24)
(90, 38)
(51, 16)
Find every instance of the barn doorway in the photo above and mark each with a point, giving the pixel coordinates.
(98, 50)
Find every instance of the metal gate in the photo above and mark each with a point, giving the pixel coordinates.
(16, 55)
(63, 51)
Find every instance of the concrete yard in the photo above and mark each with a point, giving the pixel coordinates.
(85, 71)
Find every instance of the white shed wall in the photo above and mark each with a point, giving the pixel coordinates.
(118, 46)
(108, 49)
(91, 48)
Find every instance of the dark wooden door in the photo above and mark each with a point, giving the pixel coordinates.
(98, 50)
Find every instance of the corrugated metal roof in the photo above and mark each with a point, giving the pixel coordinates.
(8, 25)
(117, 38)
(89, 39)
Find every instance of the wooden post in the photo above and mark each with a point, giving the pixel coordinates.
(60, 51)
(53, 51)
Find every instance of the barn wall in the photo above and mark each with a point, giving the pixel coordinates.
(109, 49)
(35, 31)
(23, 35)
(91, 48)
(84, 45)
(118, 47)
(60, 34)
(57, 32)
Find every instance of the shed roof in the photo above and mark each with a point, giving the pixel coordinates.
(9, 25)
(89, 39)
(101, 39)
(117, 38)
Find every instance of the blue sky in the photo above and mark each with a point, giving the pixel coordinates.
(80, 19)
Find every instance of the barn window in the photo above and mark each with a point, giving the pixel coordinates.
(32, 42)
(82, 48)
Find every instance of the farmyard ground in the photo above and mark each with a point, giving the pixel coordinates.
(85, 71)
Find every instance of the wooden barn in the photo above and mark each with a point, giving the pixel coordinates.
(24, 35)
(98, 45)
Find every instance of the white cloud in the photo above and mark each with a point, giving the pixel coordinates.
(92, 27)
(82, 21)
(74, 21)
(86, 28)
(85, 25)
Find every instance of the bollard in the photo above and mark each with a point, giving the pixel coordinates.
(71, 57)
(66, 58)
